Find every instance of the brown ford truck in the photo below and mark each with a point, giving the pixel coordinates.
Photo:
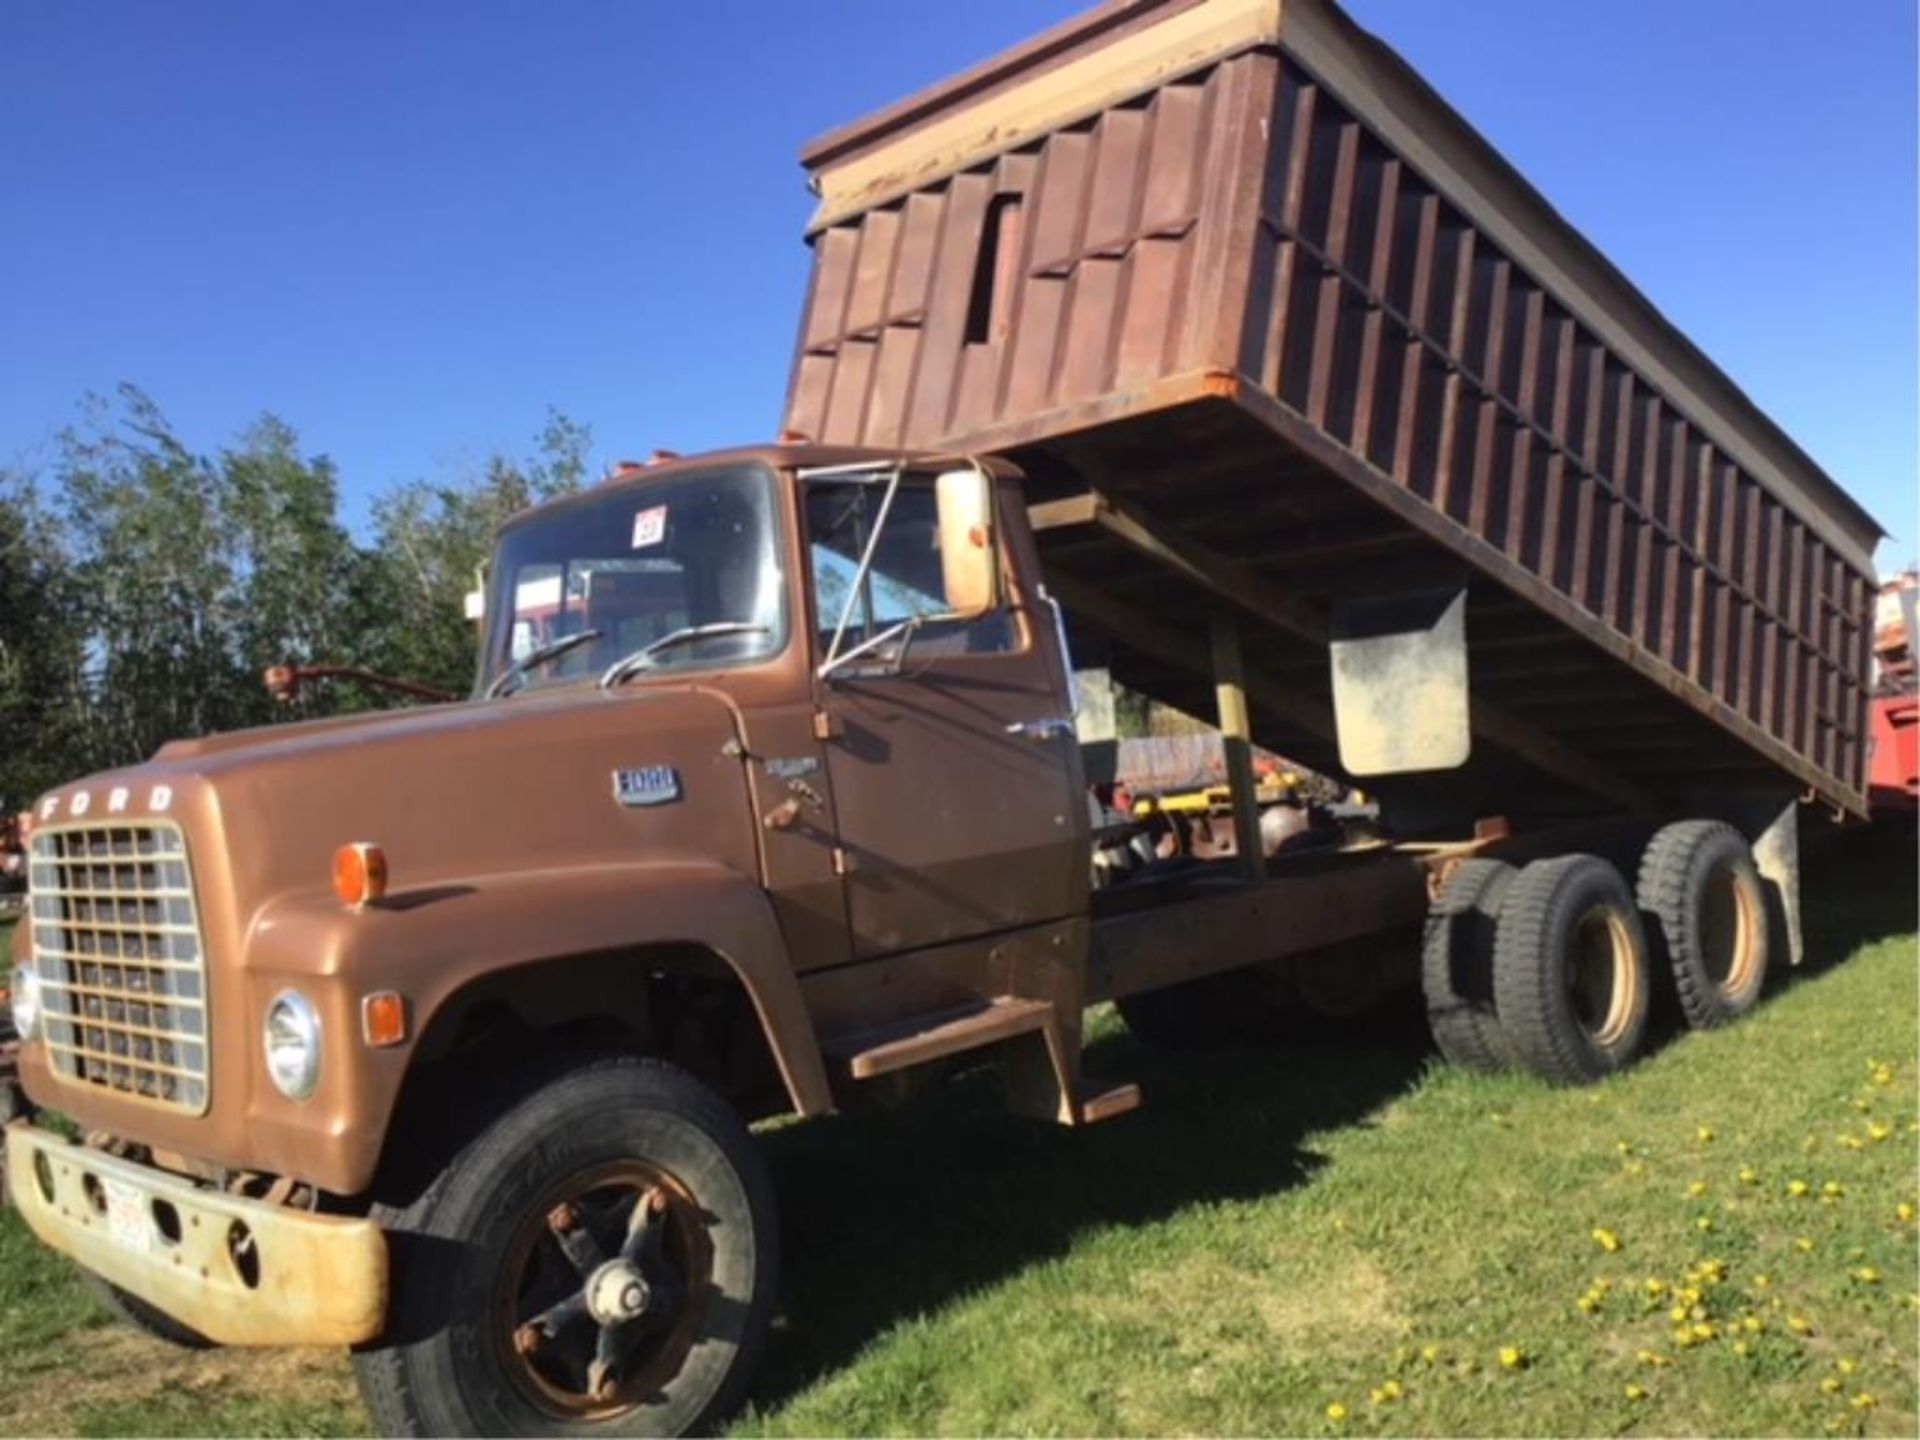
(1200, 339)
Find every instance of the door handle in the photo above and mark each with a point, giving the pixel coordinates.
(1038, 730)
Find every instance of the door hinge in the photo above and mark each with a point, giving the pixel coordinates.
(843, 861)
(828, 726)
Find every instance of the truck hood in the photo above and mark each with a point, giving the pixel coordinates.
(571, 776)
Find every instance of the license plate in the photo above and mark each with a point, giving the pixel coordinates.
(129, 1218)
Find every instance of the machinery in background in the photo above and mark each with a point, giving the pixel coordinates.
(1893, 767)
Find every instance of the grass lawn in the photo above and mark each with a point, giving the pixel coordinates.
(1327, 1238)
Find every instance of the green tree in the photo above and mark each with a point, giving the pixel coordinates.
(42, 704)
(294, 562)
(154, 572)
(430, 541)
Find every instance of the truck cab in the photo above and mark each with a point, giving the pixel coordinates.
(769, 772)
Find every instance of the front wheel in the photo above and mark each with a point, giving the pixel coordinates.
(601, 1259)
(150, 1319)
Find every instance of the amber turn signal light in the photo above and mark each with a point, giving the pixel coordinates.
(359, 873)
(383, 1018)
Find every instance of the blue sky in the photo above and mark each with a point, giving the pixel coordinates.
(408, 228)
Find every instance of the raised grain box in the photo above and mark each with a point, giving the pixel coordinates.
(1231, 267)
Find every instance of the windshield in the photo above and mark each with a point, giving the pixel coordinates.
(634, 566)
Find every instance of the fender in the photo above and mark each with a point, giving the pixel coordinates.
(431, 941)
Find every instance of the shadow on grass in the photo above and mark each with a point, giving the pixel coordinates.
(1857, 886)
(890, 1215)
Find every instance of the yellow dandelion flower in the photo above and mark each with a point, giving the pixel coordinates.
(1336, 1412)
(1882, 1075)
(1762, 1281)
(1636, 1392)
(1697, 1188)
(1393, 1390)
(1797, 1188)
(1377, 1395)
(1845, 1365)
(1430, 1354)
(1651, 1357)
(1749, 1175)
(1625, 1147)
(1588, 1304)
(1864, 1401)
(1804, 1245)
(1704, 1134)
(1742, 1348)
(1704, 1223)
(1633, 1169)
(1833, 1189)
(1876, 1131)
(1656, 1286)
(1848, 1142)
(1903, 1212)
(1683, 1338)
(1753, 1324)
(1677, 1314)
(1606, 1239)
(1714, 1270)
(1691, 1294)
(1829, 1385)
(1512, 1357)
(1862, 1104)
(1867, 1275)
(1799, 1324)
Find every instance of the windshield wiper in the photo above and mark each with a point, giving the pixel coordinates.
(552, 650)
(640, 659)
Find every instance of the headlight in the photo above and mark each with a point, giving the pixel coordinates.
(26, 1001)
(292, 1035)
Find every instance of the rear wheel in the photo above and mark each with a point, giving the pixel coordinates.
(1699, 887)
(1456, 965)
(1570, 970)
(599, 1260)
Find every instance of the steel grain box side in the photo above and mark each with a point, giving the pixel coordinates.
(1084, 251)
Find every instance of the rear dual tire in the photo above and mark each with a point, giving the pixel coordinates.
(1456, 965)
(1571, 973)
(1702, 894)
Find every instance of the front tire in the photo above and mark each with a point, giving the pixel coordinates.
(1571, 978)
(601, 1259)
(149, 1319)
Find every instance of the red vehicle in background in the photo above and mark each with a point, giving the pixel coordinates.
(1893, 773)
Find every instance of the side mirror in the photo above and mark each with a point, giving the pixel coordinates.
(969, 563)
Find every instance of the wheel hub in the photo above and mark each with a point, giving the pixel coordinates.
(600, 1300)
(617, 1293)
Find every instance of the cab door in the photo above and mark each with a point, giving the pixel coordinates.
(954, 768)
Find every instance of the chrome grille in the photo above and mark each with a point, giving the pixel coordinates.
(116, 941)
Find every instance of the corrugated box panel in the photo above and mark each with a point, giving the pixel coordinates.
(1058, 273)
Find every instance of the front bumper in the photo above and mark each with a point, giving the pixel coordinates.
(306, 1279)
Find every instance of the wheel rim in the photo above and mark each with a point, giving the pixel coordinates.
(603, 1290)
(1730, 932)
(1603, 979)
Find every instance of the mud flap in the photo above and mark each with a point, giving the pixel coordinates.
(1400, 682)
